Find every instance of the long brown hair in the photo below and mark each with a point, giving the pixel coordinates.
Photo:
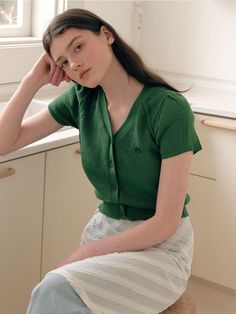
(126, 55)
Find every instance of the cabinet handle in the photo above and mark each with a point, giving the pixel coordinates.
(77, 151)
(219, 124)
(7, 173)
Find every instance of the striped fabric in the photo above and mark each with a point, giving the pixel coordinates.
(146, 282)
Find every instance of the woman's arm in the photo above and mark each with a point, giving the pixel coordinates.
(171, 194)
(13, 133)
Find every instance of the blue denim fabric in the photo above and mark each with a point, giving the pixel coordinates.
(54, 295)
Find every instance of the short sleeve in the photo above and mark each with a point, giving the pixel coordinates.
(65, 108)
(175, 132)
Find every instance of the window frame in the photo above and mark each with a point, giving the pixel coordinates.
(23, 30)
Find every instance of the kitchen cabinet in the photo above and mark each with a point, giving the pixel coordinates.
(21, 211)
(45, 202)
(212, 209)
(69, 204)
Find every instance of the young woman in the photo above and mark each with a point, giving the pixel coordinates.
(137, 140)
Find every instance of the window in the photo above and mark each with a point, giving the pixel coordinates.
(15, 18)
(9, 13)
(22, 23)
(27, 18)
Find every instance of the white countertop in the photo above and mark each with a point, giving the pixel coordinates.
(204, 101)
(212, 101)
(57, 139)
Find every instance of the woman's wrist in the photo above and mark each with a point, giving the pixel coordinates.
(33, 82)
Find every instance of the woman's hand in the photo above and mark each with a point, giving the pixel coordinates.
(45, 71)
(83, 252)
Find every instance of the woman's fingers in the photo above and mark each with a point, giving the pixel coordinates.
(60, 78)
(53, 67)
(54, 70)
(56, 74)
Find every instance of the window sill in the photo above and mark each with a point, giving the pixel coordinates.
(13, 41)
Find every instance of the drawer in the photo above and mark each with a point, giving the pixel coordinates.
(218, 139)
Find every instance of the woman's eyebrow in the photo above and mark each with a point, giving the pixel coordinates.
(72, 41)
(68, 46)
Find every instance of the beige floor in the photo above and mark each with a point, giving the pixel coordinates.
(211, 300)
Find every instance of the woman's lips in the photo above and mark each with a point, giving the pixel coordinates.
(83, 73)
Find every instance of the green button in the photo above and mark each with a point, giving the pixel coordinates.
(137, 149)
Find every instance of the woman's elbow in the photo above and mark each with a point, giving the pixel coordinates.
(172, 228)
(169, 227)
(5, 150)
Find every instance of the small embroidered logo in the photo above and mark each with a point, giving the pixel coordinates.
(138, 150)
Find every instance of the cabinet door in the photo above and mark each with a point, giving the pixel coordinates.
(69, 204)
(212, 210)
(219, 149)
(21, 204)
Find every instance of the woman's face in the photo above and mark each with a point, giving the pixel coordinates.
(84, 55)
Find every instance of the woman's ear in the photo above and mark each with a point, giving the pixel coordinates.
(108, 35)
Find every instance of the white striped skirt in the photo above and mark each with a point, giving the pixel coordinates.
(146, 281)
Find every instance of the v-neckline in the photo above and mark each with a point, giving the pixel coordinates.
(129, 119)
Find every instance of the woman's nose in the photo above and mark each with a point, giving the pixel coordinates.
(75, 65)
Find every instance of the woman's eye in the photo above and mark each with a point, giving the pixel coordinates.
(64, 64)
(78, 47)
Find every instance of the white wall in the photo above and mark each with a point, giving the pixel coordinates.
(15, 61)
(191, 37)
(116, 13)
(196, 38)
